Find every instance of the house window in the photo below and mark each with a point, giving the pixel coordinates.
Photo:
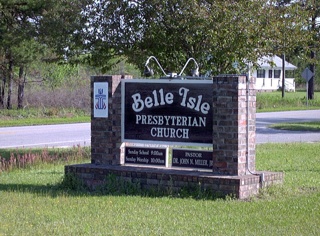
(277, 73)
(270, 73)
(261, 73)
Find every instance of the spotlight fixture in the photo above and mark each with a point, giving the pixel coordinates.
(194, 72)
(148, 71)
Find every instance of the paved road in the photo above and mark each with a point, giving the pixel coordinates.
(79, 134)
(66, 135)
(266, 135)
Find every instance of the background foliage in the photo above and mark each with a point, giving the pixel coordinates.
(44, 40)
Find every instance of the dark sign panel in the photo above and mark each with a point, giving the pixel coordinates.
(195, 159)
(145, 156)
(167, 111)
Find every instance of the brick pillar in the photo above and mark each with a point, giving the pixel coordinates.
(106, 132)
(231, 145)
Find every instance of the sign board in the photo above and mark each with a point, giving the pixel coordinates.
(145, 156)
(100, 99)
(190, 158)
(307, 74)
(167, 111)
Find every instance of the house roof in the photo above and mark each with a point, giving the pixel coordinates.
(274, 62)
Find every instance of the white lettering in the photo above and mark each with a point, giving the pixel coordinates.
(167, 119)
(171, 120)
(153, 132)
(143, 152)
(184, 161)
(137, 104)
(134, 152)
(169, 98)
(202, 121)
(138, 118)
(161, 98)
(201, 162)
(157, 160)
(193, 154)
(156, 103)
(156, 153)
(192, 102)
(148, 102)
(142, 160)
(205, 107)
(130, 159)
(157, 98)
(169, 133)
(183, 92)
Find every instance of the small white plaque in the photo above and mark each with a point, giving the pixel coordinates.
(100, 99)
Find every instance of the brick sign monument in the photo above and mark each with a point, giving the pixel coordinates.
(173, 133)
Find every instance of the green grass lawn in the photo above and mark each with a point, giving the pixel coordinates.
(33, 202)
(42, 116)
(313, 126)
(273, 101)
(44, 121)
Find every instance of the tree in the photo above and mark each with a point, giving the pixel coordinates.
(290, 19)
(27, 29)
(17, 42)
(216, 33)
(306, 13)
(314, 8)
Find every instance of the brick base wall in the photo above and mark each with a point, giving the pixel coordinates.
(241, 187)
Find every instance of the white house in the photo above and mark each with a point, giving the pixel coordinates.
(269, 74)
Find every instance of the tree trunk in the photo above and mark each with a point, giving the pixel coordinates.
(311, 81)
(21, 83)
(2, 89)
(10, 81)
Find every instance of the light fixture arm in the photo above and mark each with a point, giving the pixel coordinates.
(191, 58)
(152, 57)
